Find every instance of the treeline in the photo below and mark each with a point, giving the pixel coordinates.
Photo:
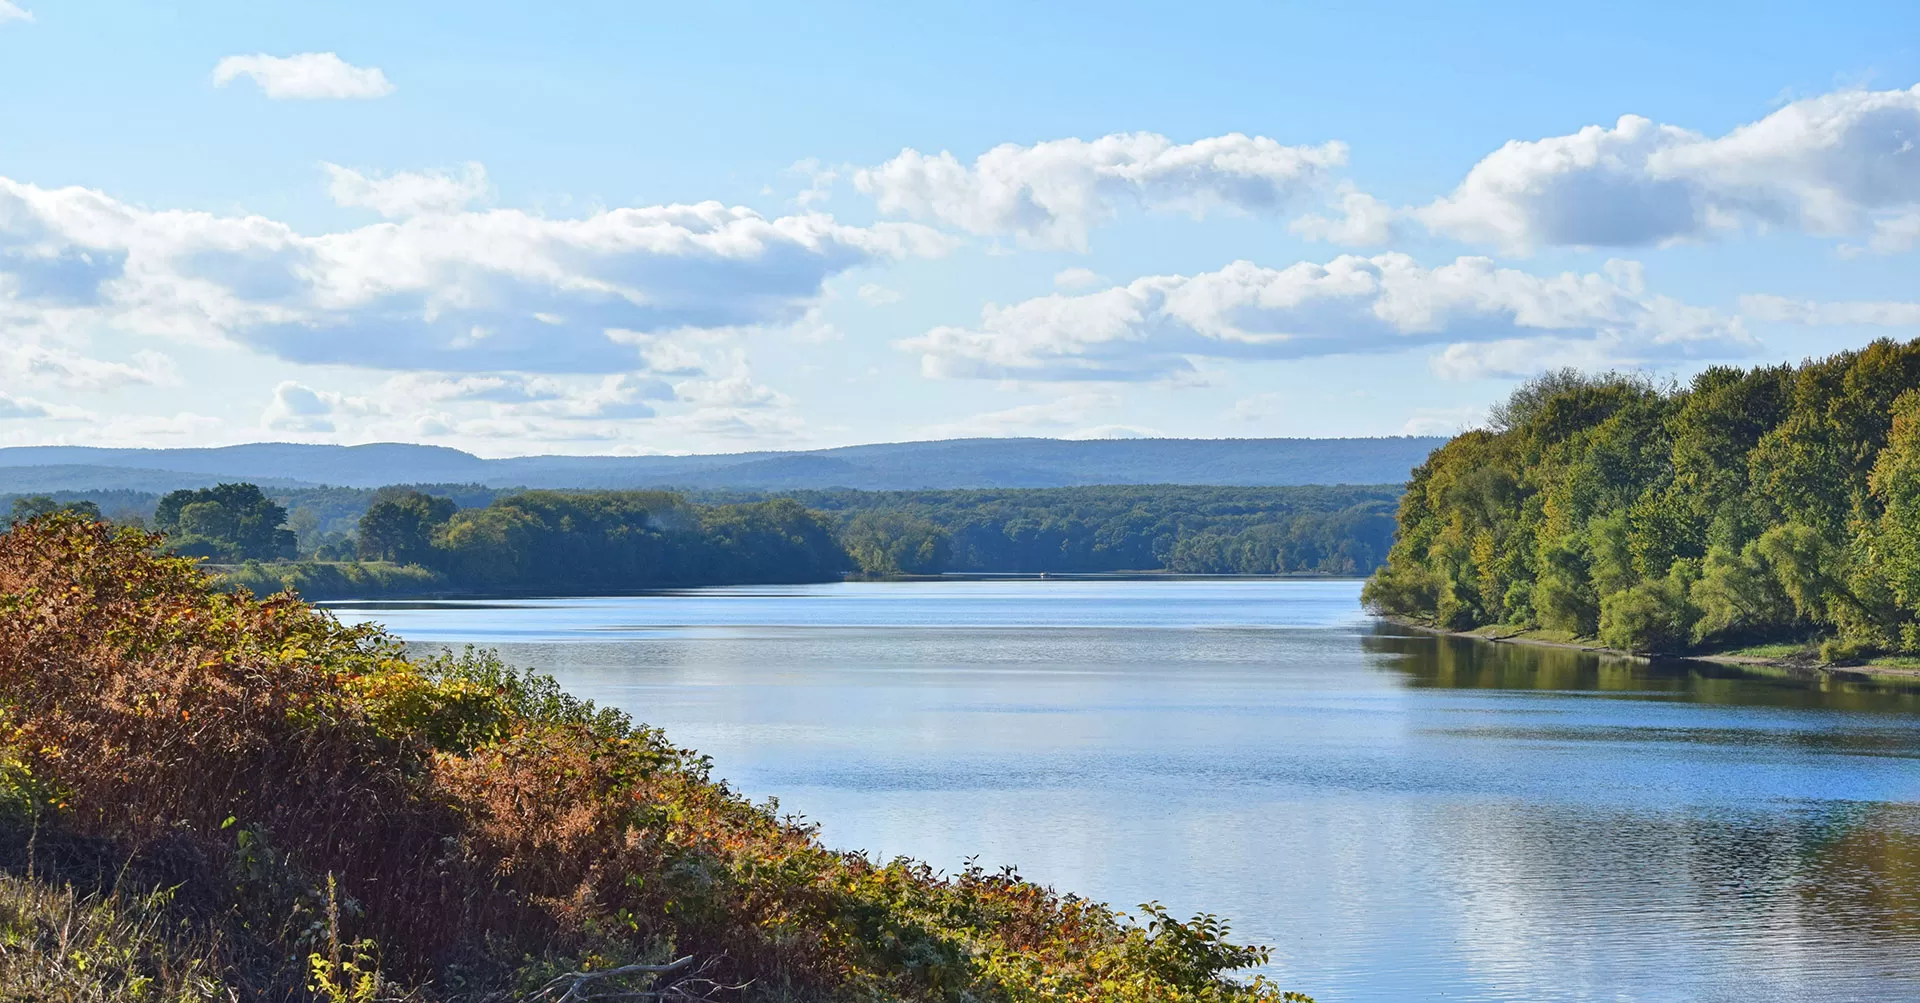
(1339, 529)
(585, 541)
(1776, 504)
(399, 540)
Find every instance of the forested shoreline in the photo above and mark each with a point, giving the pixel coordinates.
(1777, 505)
(411, 540)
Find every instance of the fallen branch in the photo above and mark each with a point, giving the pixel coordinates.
(690, 987)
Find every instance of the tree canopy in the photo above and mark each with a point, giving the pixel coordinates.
(1773, 503)
(227, 522)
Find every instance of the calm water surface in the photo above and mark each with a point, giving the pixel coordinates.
(1400, 817)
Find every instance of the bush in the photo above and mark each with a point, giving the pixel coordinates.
(361, 824)
(1651, 616)
(320, 580)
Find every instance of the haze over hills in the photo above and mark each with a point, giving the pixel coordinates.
(953, 463)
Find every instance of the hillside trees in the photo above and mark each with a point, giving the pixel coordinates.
(1762, 504)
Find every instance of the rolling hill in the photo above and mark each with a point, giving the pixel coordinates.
(955, 463)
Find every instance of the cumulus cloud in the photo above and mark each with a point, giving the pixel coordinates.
(1155, 327)
(1871, 313)
(298, 408)
(13, 12)
(1051, 194)
(447, 291)
(1838, 165)
(309, 76)
(407, 193)
(1363, 221)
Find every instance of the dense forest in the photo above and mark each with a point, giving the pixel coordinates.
(206, 796)
(577, 541)
(1195, 530)
(1775, 504)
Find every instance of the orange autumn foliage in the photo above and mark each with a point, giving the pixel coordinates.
(470, 830)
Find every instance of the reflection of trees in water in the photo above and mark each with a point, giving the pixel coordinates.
(1813, 903)
(1867, 874)
(1445, 662)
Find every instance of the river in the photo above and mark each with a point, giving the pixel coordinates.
(1399, 816)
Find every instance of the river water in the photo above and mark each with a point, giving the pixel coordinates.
(1399, 816)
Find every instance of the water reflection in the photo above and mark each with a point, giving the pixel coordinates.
(1402, 816)
(1449, 662)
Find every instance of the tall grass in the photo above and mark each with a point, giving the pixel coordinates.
(339, 822)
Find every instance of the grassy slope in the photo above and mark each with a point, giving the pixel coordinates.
(326, 819)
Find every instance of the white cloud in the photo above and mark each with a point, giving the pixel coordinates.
(1894, 233)
(1154, 327)
(1051, 194)
(1364, 221)
(405, 193)
(12, 407)
(298, 408)
(509, 388)
(1842, 164)
(735, 391)
(820, 181)
(449, 291)
(1881, 313)
(1077, 278)
(26, 361)
(309, 76)
(13, 12)
(876, 294)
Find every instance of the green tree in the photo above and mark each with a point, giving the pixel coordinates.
(1749, 505)
(401, 528)
(28, 507)
(895, 543)
(227, 522)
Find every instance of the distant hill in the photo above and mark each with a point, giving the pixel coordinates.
(897, 466)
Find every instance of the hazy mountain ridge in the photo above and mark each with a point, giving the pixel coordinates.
(956, 463)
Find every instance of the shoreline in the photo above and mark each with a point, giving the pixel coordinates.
(1810, 670)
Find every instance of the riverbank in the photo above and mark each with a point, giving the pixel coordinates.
(1803, 661)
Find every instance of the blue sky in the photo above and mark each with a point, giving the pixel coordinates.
(637, 228)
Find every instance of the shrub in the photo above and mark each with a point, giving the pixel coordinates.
(456, 829)
(1653, 616)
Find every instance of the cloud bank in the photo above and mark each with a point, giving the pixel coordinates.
(1051, 194)
(1840, 165)
(439, 288)
(1495, 321)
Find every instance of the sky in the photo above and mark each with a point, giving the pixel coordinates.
(650, 228)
